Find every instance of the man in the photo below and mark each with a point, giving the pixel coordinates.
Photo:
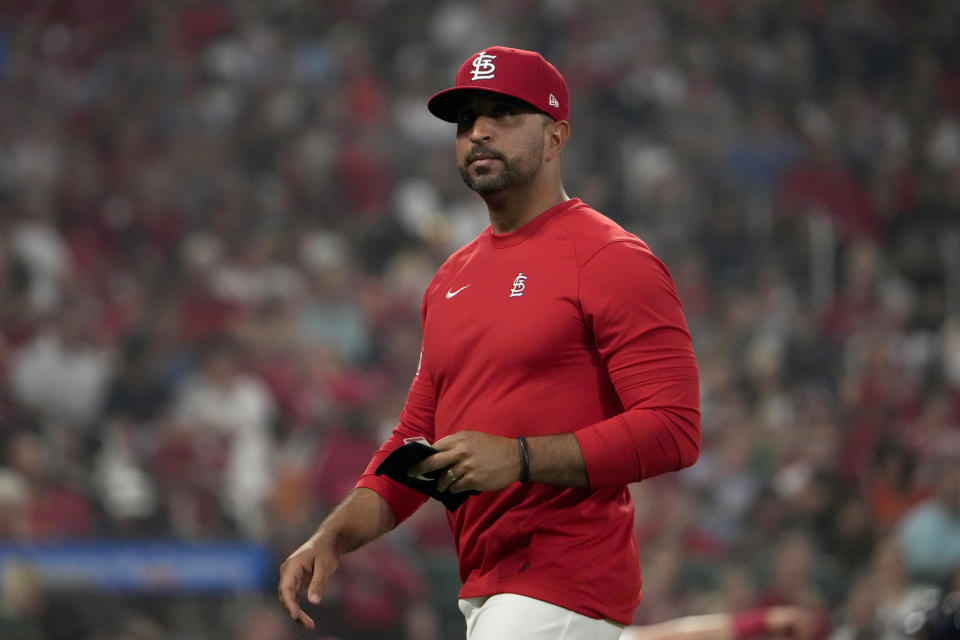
(556, 369)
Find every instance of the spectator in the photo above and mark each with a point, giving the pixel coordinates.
(21, 603)
(230, 414)
(56, 508)
(63, 372)
(930, 532)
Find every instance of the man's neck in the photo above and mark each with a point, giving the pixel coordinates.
(509, 210)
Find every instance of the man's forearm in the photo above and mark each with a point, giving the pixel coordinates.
(557, 460)
(485, 462)
(362, 517)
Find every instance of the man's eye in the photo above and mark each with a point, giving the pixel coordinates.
(501, 110)
(466, 117)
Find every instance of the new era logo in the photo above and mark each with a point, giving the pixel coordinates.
(554, 102)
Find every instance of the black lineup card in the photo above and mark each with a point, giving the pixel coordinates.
(395, 466)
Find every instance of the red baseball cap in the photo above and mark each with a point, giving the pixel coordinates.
(525, 75)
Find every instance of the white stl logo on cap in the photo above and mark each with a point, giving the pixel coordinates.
(483, 67)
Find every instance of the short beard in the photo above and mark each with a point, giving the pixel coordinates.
(490, 184)
(510, 176)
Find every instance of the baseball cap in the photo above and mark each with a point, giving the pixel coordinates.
(524, 75)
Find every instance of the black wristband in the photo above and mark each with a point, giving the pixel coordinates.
(524, 459)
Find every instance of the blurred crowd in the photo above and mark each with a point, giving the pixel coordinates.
(217, 220)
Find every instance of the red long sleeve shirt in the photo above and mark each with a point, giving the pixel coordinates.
(568, 324)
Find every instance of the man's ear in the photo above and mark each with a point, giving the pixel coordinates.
(557, 133)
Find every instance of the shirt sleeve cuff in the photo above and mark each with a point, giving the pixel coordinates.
(403, 501)
(608, 453)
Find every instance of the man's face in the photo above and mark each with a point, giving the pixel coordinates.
(500, 142)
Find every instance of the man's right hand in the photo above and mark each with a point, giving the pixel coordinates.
(307, 568)
(360, 518)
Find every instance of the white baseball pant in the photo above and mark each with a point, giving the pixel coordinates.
(507, 616)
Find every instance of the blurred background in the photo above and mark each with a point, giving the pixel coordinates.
(217, 220)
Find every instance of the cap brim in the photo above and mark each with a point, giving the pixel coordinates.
(446, 104)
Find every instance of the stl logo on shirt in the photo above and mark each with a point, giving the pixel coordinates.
(518, 285)
(483, 67)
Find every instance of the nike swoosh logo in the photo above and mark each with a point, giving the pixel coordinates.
(450, 294)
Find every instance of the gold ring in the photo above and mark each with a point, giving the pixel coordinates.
(452, 476)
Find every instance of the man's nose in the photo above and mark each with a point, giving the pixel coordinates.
(482, 129)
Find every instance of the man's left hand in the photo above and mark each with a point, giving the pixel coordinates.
(473, 460)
